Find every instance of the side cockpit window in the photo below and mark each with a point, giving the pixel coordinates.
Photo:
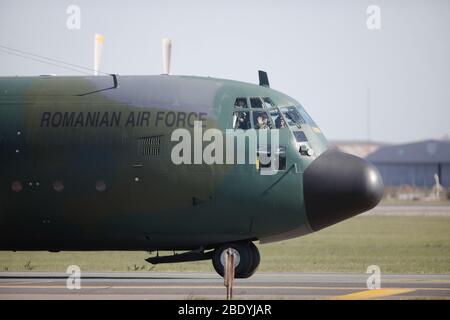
(240, 103)
(241, 120)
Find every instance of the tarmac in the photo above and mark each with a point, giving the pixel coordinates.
(200, 285)
(192, 286)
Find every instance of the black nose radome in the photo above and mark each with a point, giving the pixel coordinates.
(337, 186)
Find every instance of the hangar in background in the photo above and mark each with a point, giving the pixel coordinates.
(413, 164)
(359, 148)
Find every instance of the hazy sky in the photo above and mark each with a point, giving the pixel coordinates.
(319, 52)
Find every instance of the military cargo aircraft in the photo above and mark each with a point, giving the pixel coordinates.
(86, 165)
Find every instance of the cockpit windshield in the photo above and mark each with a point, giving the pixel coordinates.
(292, 116)
(306, 116)
(297, 116)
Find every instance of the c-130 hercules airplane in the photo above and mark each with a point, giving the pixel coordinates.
(86, 165)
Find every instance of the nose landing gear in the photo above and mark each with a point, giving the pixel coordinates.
(246, 261)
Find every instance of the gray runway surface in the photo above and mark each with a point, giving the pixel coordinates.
(173, 285)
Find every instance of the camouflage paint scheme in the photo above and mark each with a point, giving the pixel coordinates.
(148, 203)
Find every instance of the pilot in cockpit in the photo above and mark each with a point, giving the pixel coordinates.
(279, 122)
(243, 121)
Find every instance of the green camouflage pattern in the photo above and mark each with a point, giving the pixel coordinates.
(73, 175)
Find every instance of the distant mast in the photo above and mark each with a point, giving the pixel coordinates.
(98, 50)
(166, 53)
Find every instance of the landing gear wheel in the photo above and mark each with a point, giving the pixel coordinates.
(246, 261)
(256, 258)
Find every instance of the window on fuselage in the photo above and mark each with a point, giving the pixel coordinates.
(268, 103)
(261, 120)
(277, 119)
(256, 103)
(293, 116)
(241, 103)
(241, 120)
(300, 136)
(264, 114)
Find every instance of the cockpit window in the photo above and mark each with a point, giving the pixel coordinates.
(300, 136)
(277, 119)
(268, 103)
(241, 120)
(306, 116)
(240, 103)
(268, 116)
(293, 116)
(261, 120)
(256, 102)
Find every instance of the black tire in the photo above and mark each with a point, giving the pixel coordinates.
(256, 259)
(243, 268)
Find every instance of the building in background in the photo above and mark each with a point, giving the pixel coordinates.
(358, 148)
(414, 164)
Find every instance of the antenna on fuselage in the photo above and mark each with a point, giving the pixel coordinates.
(98, 50)
(166, 53)
(263, 79)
